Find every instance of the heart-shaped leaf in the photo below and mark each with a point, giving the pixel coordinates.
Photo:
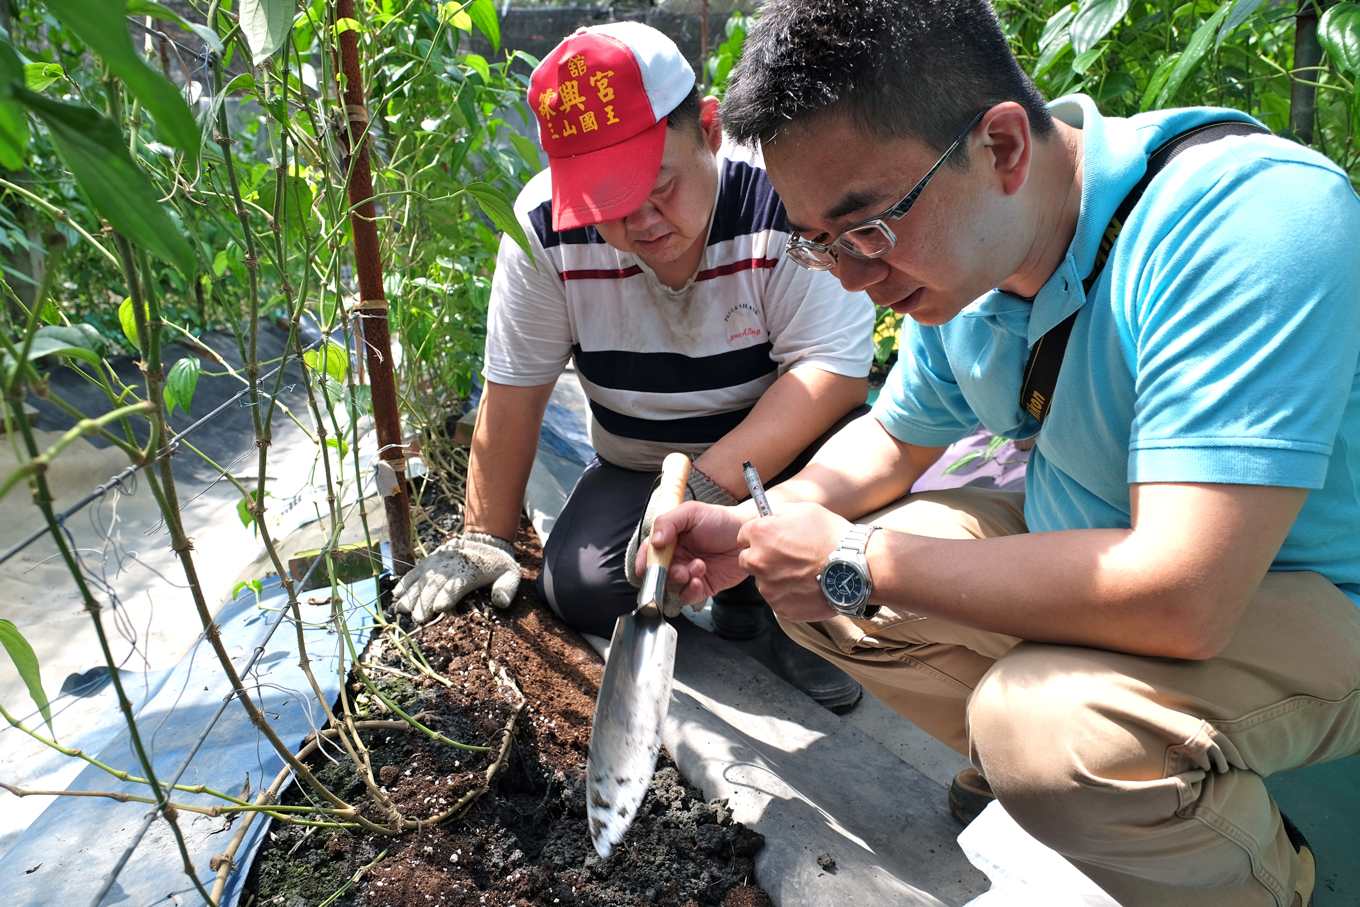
(1339, 35)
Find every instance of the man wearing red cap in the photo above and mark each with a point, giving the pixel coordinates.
(654, 264)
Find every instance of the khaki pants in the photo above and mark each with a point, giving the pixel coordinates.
(1145, 772)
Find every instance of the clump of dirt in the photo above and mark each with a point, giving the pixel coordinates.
(525, 841)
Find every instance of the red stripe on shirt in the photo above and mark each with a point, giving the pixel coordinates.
(749, 264)
(600, 273)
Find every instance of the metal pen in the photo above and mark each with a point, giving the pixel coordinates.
(754, 486)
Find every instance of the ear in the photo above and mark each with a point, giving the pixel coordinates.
(1007, 145)
(710, 123)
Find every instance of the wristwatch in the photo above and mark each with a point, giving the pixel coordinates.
(845, 579)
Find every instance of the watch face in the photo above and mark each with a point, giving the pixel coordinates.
(843, 584)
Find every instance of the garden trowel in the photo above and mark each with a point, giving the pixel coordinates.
(635, 692)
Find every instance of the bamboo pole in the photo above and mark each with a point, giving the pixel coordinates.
(372, 308)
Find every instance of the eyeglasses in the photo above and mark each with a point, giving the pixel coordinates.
(870, 238)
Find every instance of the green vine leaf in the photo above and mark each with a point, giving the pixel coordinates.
(26, 662)
(39, 76)
(1339, 35)
(180, 384)
(330, 359)
(80, 341)
(127, 320)
(95, 150)
(245, 508)
(103, 28)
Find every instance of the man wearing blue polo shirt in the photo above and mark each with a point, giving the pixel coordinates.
(1168, 614)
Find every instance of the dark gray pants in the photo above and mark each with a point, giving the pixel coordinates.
(582, 578)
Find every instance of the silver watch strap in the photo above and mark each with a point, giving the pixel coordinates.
(856, 538)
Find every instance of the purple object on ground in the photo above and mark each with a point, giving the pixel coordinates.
(1004, 469)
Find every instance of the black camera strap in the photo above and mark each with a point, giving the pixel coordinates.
(1046, 356)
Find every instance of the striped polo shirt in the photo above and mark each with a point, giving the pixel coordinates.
(669, 369)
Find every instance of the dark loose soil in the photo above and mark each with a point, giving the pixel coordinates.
(524, 842)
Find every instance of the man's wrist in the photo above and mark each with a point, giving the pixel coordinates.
(489, 538)
(704, 489)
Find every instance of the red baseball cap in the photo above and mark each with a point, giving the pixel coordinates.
(601, 98)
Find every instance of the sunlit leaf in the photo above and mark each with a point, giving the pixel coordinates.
(38, 76)
(1339, 35)
(330, 359)
(1199, 44)
(95, 150)
(243, 508)
(180, 384)
(127, 320)
(478, 64)
(483, 15)
(103, 28)
(454, 13)
(26, 662)
(1094, 20)
(347, 24)
(338, 442)
(265, 24)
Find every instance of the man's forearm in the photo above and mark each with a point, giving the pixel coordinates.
(1172, 586)
(503, 446)
(798, 408)
(860, 469)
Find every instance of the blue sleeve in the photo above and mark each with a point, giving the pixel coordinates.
(1243, 323)
(921, 403)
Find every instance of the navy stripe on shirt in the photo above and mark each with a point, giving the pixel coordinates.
(541, 220)
(746, 205)
(672, 373)
(692, 430)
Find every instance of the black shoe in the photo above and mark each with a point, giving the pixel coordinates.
(828, 685)
(738, 620)
(969, 794)
(1307, 881)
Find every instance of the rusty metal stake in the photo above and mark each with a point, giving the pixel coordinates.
(372, 308)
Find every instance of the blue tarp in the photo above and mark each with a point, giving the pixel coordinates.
(66, 855)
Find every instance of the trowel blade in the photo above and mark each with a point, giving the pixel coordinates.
(626, 735)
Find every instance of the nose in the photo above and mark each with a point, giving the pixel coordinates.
(643, 218)
(856, 274)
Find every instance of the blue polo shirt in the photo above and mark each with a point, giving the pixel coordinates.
(1219, 345)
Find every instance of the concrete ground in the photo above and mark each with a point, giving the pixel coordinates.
(868, 790)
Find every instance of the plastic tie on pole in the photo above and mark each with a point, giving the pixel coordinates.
(370, 305)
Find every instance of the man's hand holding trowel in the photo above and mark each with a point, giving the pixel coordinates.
(636, 690)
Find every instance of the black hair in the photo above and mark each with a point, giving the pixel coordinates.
(686, 113)
(898, 68)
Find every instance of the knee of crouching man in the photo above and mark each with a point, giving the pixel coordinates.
(1040, 740)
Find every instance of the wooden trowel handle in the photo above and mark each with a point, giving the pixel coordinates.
(671, 492)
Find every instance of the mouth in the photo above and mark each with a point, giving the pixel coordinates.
(908, 303)
(651, 243)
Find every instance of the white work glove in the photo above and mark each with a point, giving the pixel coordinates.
(699, 488)
(464, 563)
